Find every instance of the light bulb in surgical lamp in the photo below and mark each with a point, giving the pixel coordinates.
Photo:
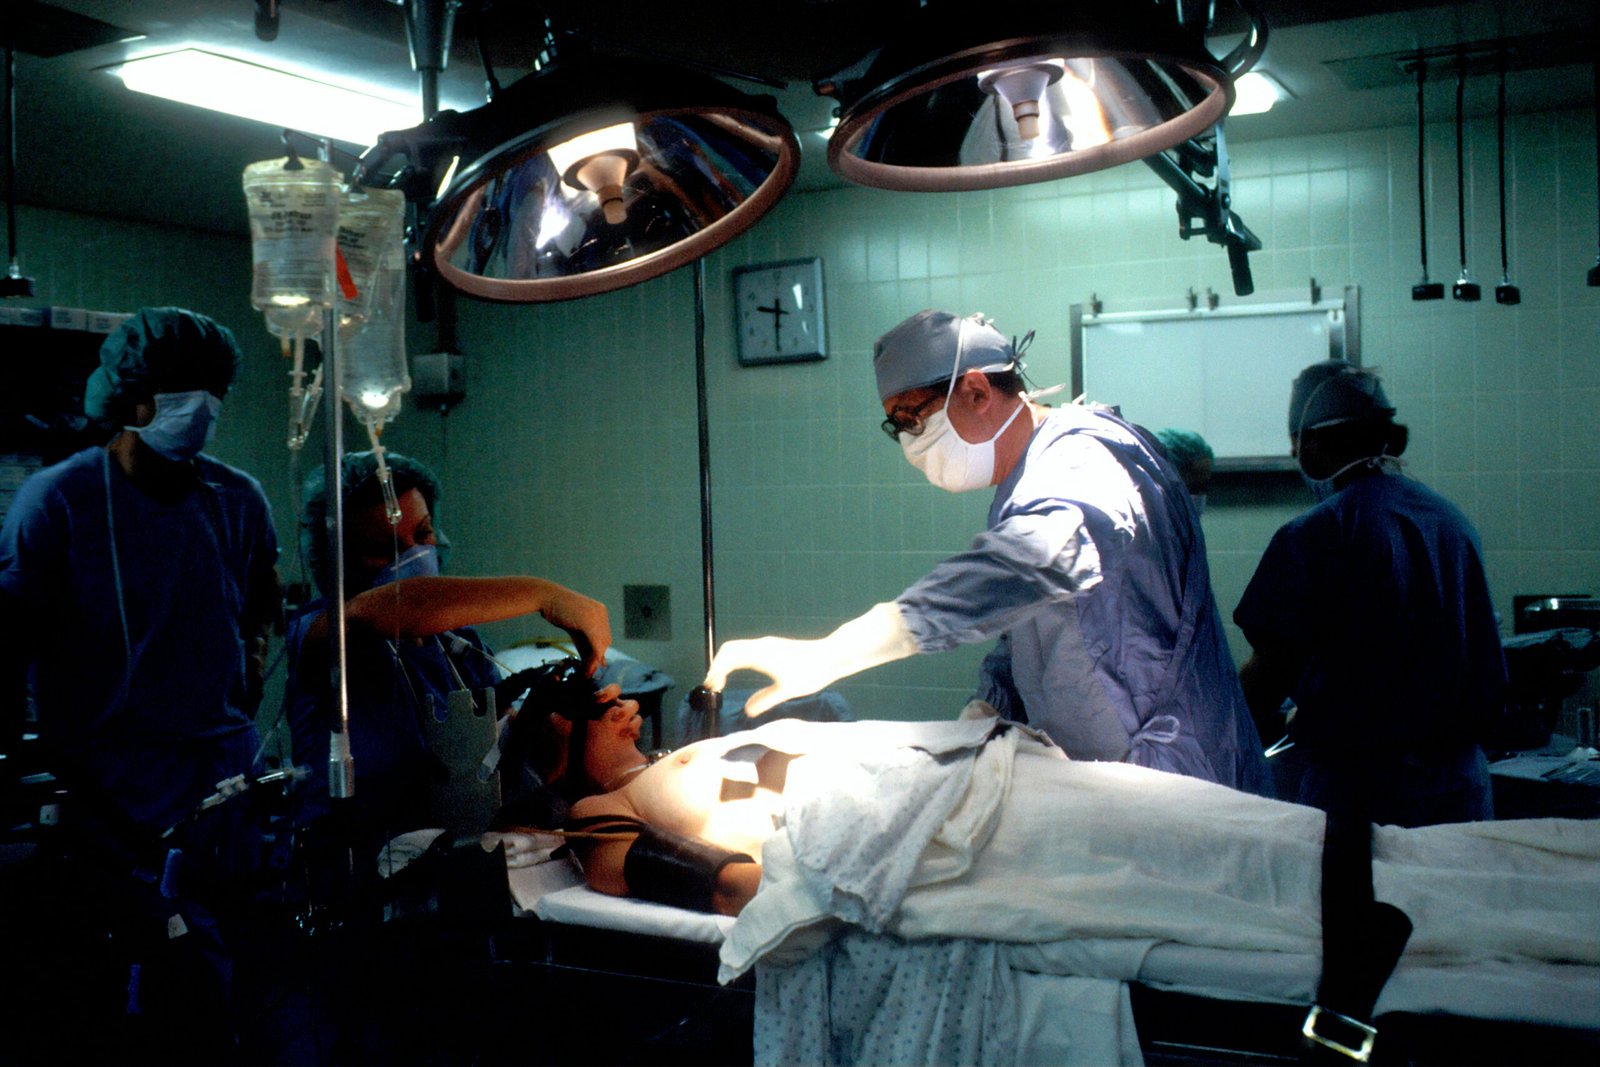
(1021, 87)
(1255, 92)
(599, 162)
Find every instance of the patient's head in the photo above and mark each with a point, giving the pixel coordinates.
(577, 738)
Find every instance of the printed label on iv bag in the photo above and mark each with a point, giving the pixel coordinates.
(371, 240)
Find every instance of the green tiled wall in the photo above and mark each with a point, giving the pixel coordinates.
(574, 455)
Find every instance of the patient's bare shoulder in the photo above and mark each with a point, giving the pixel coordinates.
(602, 854)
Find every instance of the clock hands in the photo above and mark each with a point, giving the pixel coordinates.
(777, 311)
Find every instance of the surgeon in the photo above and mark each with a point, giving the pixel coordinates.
(137, 585)
(1092, 572)
(412, 653)
(1371, 613)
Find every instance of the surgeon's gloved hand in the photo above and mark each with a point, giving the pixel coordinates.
(799, 668)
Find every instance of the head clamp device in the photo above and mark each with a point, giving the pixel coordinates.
(546, 765)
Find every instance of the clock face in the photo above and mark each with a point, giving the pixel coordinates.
(778, 313)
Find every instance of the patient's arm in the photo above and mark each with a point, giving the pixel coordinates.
(658, 864)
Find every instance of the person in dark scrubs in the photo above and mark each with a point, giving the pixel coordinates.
(1371, 613)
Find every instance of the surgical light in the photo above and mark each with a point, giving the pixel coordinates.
(1255, 92)
(250, 90)
(598, 162)
(1019, 92)
(589, 175)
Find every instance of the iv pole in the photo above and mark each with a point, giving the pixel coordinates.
(706, 702)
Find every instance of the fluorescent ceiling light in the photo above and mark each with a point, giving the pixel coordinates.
(1256, 92)
(249, 90)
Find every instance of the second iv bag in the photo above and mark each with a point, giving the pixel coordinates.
(372, 336)
(372, 366)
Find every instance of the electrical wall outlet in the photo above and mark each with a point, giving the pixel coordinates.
(439, 379)
(647, 612)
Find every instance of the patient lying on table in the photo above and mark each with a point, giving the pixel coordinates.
(980, 828)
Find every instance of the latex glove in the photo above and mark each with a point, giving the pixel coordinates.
(800, 667)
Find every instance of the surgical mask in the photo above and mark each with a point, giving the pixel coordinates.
(1323, 488)
(948, 461)
(940, 453)
(183, 424)
(418, 561)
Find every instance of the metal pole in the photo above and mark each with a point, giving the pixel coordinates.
(707, 702)
(341, 764)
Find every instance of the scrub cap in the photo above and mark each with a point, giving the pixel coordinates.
(356, 470)
(924, 350)
(1335, 391)
(1185, 447)
(160, 350)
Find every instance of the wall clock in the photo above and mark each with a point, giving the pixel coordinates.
(777, 312)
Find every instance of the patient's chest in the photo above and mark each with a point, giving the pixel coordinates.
(697, 791)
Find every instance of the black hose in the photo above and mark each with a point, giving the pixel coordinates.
(1461, 180)
(1500, 151)
(11, 151)
(1425, 289)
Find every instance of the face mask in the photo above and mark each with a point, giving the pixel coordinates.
(418, 561)
(183, 423)
(1322, 488)
(942, 456)
(946, 460)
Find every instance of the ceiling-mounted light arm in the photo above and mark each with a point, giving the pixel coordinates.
(1209, 212)
(429, 26)
(1247, 52)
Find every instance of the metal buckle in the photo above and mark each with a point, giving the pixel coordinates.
(1367, 1034)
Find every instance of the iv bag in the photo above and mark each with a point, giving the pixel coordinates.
(371, 231)
(372, 363)
(293, 217)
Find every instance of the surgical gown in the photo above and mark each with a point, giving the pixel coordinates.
(148, 727)
(1093, 575)
(1380, 593)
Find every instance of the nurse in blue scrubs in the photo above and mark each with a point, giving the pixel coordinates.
(1091, 573)
(411, 642)
(137, 585)
(1371, 612)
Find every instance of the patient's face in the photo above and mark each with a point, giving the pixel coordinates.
(613, 744)
(611, 747)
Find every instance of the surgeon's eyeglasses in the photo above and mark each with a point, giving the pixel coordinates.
(910, 421)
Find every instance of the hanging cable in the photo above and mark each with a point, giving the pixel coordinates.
(1464, 288)
(1425, 289)
(1505, 292)
(13, 284)
(1594, 271)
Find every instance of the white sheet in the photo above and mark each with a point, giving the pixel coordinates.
(1100, 873)
(1039, 856)
(1093, 850)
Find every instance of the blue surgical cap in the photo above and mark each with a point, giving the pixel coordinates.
(1335, 391)
(931, 346)
(160, 350)
(357, 470)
